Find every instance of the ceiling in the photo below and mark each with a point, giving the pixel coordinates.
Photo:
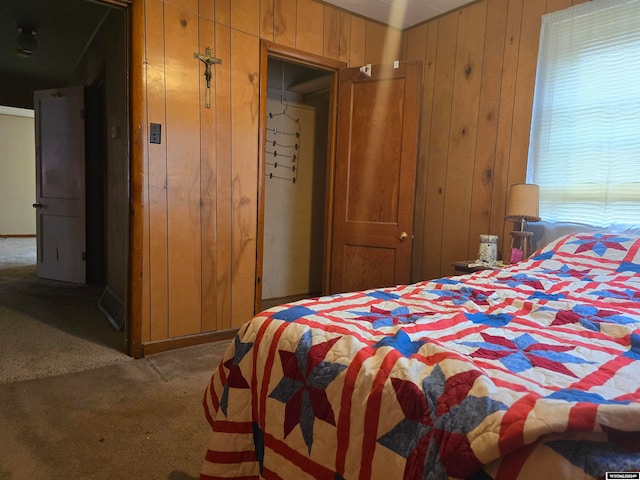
(63, 29)
(399, 13)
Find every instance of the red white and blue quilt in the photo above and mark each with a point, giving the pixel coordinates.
(528, 371)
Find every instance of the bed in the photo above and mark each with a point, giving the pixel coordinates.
(527, 371)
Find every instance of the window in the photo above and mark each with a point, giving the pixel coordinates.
(584, 149)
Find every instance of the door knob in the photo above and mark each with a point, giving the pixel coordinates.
(37, 205)
(403, 236)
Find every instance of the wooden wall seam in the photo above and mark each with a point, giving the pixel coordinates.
(480, 216)
(439, 145)
(208, 177)
(223, 181)
(463, 133)
(157, 171)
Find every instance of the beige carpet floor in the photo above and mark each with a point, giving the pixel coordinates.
(52, 328)
(141, 420)
(73, 406)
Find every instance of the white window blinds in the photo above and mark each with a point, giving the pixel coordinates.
(584, 150)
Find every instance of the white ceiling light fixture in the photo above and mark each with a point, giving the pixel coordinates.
(27, 43)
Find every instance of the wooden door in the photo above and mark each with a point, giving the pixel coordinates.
(60, 184)
(376, 155)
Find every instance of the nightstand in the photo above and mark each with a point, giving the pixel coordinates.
(463, 266)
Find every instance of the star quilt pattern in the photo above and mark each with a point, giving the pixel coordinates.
(520, 372)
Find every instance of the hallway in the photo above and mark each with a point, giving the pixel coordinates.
(17, 251)
(48, 327)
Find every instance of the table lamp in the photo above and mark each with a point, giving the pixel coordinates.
(522, 206)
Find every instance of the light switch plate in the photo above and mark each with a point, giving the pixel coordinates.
(155, 133)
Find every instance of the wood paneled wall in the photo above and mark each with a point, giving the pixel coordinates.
(478, 83)
(199, 186)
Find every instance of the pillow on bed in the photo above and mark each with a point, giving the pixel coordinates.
(601, 247)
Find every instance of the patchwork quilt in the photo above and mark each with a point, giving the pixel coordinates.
(520, 372)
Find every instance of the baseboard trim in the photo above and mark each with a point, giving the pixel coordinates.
(17, 235)
(189, 341)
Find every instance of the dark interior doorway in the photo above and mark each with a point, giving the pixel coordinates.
(95, 158)
(79, 24)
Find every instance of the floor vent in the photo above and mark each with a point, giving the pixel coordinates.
(113, 308)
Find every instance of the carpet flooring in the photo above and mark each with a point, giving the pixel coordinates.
(73, 406)
(141, 420)
(52, 328)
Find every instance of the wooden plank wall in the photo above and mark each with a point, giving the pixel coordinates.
(478, 83)
(199, 192)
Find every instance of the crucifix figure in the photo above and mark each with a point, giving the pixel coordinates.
(208, 60)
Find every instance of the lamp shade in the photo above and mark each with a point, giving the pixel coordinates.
(522, 203)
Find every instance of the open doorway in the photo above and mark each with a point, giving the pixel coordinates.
(22, 183)
(96, 181)
(297, 123)
(298, 108)
(70, 323)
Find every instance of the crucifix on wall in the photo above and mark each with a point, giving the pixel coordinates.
(208, 60)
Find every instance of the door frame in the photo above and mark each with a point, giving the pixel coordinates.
(269, 49)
